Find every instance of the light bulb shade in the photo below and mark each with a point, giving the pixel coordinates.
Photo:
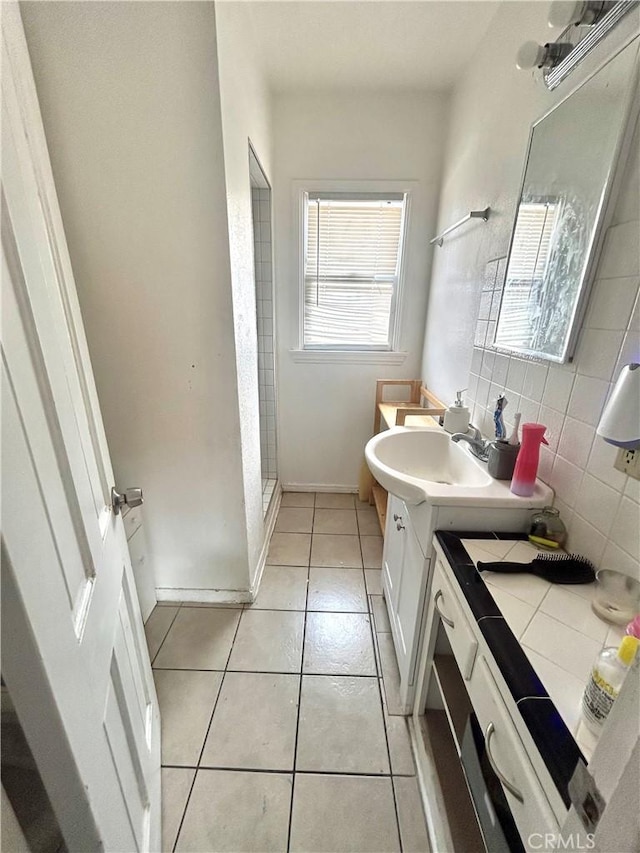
(563, 13)
(620, 421)
(530, 55)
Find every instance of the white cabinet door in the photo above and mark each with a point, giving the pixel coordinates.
(404, 577)
(410, 604)
(74, 656)
(393, 555)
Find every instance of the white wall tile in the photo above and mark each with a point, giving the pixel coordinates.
(516, 374)
(500, 370)
(632, 489)
(575, 442)
(598, 352)
(625, 530)
(618, 560)
(565, 480)
(585, 540)
(588, 398)
(600, 465)
(620, 255)
(554, 421)
(535, 379)
(476, 360)
(611, 303)
(597, 503)
(557, 389)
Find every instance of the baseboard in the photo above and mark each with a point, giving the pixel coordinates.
(203, 596)
(318, 487)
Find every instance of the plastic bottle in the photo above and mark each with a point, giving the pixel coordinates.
(607, 675)
(524, 476)
(456, 418)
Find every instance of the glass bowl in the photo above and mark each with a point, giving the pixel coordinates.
(616, 598)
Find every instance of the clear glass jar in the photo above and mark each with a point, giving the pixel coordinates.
(547, 528)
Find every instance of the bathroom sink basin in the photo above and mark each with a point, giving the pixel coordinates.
(422, 464)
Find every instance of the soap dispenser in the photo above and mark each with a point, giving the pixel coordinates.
(456, 418)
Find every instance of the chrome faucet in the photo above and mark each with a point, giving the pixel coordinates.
(479, 447)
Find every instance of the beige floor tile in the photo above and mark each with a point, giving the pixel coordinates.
(368, 524)
(282, 588)
(336, 590)
(294, 520)
(234, 811)
(338, 644)
(157, 626)
(268, 641)
(254, 725)
(413, 829)
(335, 501)
(176, 784)
(186, 700)
(200, 638)
(340, 551)
(289, 549)
(335, 521)
(390, 673)
(380, 615)
(373, 580)
(399, 742)
(343, 813)
(371, 551)
(341, 729)
(305, 499)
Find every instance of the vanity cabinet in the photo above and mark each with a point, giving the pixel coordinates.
(404, 577)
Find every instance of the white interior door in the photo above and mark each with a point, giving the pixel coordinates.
(73, 656)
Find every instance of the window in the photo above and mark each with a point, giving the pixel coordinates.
(352, 258)
(525, 284)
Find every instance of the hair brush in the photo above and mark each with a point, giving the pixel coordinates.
(556, 568)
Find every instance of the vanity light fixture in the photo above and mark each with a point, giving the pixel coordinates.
(620, 421)
(534, 55)
(567, 13)
(584, 23)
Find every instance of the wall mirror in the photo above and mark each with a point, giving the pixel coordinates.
(556, 236)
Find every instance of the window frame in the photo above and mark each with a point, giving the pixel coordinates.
(357, 353)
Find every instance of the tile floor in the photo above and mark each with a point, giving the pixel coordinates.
(276, 732)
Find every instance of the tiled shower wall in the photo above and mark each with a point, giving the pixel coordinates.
(599, 505)
(261, 201)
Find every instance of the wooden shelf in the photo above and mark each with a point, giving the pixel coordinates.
(380, 496)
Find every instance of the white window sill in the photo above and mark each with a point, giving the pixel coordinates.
(347, 356)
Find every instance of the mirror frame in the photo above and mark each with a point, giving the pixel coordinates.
(613, 179)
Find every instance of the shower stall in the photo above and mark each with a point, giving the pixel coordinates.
(262, 244)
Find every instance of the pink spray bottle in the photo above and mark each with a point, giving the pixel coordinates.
(524, 475)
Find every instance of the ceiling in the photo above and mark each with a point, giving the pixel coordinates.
(370, 44)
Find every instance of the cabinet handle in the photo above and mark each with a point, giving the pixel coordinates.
(397, 517)
(444, 618)
(507, 784)
(399, 526)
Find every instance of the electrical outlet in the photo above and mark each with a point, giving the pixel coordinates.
(628, 461)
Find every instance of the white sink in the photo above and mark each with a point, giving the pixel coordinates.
(423, 464)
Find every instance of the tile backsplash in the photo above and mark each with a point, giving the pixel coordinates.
(599, 505)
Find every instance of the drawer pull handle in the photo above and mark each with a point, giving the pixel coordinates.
(397, 517)
(399, 526)
(507, 784)
(444, 618)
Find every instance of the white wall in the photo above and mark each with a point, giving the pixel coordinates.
(326, 410)
(492, 111)
(245, 116)
(130, 101)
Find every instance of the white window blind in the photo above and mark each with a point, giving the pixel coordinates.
(351, 270)
(528, 260)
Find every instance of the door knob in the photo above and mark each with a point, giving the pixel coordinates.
(130, 497)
